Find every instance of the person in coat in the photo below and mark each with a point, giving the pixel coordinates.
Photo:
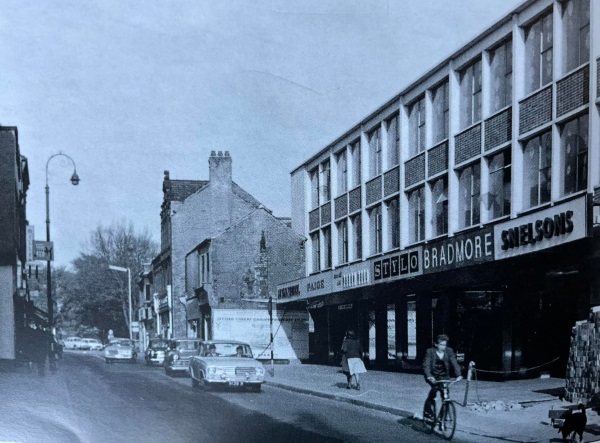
(439, 364)
(353, 351)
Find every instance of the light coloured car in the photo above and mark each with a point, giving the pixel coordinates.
(74, 343)
(226, 363)
(179, 352)
(120, 349)
(92, 344)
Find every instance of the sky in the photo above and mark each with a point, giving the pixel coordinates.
(129, 89)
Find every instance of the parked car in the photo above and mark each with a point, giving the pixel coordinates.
(226, 363)
(74, 343)
(120, 349)
(92, 344)
(155, 353)
(179, 351)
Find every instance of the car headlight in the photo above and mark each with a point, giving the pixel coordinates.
(175, 357)
(211, 370)
(260, 371)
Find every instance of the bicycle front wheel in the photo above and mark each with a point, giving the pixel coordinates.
(448, 420)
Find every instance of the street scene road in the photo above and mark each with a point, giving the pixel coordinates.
(87, 400)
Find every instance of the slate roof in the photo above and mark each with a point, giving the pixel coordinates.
(179, 190)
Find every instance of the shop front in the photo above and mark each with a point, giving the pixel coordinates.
(507, 294)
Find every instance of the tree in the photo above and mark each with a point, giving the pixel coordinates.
(98, 297)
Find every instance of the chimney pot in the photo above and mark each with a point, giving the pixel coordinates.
(212, 153)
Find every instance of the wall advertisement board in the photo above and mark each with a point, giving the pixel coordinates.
(252, 326)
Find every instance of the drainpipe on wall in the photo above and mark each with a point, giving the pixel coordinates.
(170, 305)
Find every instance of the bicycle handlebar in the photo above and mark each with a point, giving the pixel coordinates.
(449, 382)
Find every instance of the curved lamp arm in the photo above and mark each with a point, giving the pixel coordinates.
(74, 178)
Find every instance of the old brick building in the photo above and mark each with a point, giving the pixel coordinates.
(14, 182)
(230, 248)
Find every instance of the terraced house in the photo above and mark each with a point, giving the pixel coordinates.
(465, 204)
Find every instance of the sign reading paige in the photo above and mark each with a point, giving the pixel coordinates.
(540, 230)
(459, 251)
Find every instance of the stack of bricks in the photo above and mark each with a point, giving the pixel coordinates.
(583, 367)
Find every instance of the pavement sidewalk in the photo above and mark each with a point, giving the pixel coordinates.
(517, 409)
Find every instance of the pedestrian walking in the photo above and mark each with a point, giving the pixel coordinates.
(40, 350)
(353, 351)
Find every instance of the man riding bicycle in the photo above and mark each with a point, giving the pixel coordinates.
(439, 362)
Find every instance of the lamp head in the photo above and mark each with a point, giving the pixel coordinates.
(75, 179)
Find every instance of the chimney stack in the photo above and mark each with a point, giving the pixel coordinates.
(219, 165)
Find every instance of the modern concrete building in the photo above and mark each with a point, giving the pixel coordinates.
(14, 182)
(464, 204)
(211, 261)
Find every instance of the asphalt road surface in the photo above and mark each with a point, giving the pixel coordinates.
(90, 401)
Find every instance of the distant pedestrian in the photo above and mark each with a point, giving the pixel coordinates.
(40, 350)
(353, 351)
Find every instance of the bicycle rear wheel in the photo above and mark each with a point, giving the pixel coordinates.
(429, 414)
(448, 420)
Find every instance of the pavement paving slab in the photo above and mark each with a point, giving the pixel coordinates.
(530, 400)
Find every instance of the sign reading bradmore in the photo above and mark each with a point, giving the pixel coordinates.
(550, 227)
(459, 251)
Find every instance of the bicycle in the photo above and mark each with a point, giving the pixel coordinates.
(446, 419)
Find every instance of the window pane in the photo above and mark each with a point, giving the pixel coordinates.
(466, 98)
(356, 165)
(393, 223)
(499, 193)
(325, 182)
(416, 215)
(356, 237)
(342, 229)
(392, 141)
(315, 252)
(327, 248)
(439, 191)
(574, 148)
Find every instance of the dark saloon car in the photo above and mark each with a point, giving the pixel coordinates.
(179, 352)
(155, 353)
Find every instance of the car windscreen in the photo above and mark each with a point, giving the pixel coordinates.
(159, 344)
(187, 345)
(227, 350)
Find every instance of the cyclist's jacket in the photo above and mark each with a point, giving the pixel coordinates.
(438, 368)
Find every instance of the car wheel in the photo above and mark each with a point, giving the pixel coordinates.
(256, 388)
(195, 383)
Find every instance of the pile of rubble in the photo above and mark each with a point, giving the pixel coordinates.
(491, 406)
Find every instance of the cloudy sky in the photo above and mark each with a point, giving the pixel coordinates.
(130, 89)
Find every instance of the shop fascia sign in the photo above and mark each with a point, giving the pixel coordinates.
(540, 230)
(315, 285)
(397, 266)
(459, 251)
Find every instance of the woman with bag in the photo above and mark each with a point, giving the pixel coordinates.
(352, 352)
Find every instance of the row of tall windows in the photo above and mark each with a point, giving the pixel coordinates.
(537, 151)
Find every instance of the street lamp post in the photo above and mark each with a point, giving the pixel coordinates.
(128, 270)
(75, 181)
